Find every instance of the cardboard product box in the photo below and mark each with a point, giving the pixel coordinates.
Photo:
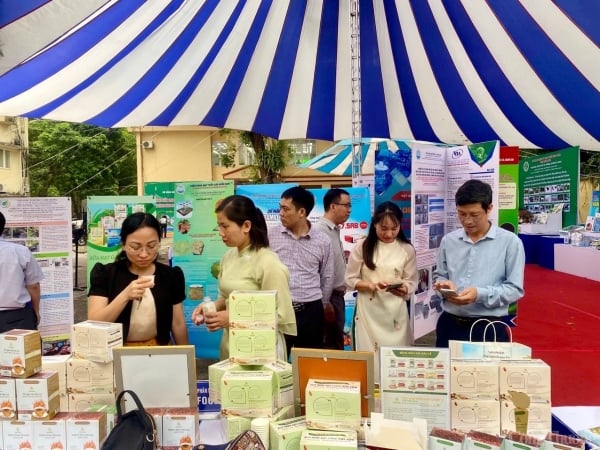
(286, 412)
(85, 376)
(556, 441)
(253, 346)
(284, 379)
(252, 309)
(20, 353)
(95, 340)
(521, 441)
(180, 429)
(477, 440)
(474, 379)
(328, 440)
(248, 393)
(286, 434)
(111, 414)
(85, 430)
(333, 405)
(489, 350)
(38, 397)
(481, 415)
(531, 377)
(8, 398)
(58, 363)
(50, 434)
(235, 425)
(539, 418)
(17, 435)
(157, 415)
(215, 373)
(82, 402)
(441, 439)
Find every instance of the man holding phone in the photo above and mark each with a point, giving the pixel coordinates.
(480, 270)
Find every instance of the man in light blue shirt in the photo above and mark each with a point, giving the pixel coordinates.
(481, 265)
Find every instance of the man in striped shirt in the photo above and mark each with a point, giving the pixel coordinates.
(308, 255)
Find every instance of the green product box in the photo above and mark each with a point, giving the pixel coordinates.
(235, 425)
(284, 378)
(252, 346)
(215, 373)
(328, 440)
(285, 434)
(333, 405)
(248, 393)
(252, 309)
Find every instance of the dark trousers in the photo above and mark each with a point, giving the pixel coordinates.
(451, 327)
(310, 319)
(334, 332)
(23, 318)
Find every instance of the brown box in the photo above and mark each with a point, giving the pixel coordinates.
(38, 396)
(20, 353)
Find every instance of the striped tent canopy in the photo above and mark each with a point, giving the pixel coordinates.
(337, 159)
(525, 72)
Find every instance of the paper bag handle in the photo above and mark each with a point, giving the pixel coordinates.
(489, 322)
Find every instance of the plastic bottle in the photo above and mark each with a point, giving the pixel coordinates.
(208, 306)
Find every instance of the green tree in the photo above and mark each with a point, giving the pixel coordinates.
(271, 156)
(78, 160)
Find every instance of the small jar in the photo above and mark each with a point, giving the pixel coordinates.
(196, 292)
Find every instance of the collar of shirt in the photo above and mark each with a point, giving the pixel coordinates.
(491, 233)
(330, 224)
(311, 232)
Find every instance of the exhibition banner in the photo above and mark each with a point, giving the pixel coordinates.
(163, 194)
(437, 173)
(198, 249)
(266, 197)
(595, 204)
(549, 183)
(44, 226)
(508, 189)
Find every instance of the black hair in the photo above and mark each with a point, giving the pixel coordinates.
(333, 195)
(301, 198)
(134, 222)
(474, 191)
(238, 209)
(385, 210)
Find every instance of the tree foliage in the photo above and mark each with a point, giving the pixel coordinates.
(79, 160)
(271, 156)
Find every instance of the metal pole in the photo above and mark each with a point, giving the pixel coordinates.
(355, 85)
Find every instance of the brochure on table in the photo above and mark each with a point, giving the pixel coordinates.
(43, 224)
(415, 382)
(437, 173)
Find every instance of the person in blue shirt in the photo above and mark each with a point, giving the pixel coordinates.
(482, 266)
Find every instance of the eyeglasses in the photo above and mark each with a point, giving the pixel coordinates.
(137, 249)
(347, 205)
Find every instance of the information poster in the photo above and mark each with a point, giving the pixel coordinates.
(415, 382)
(163, 194)
(44, 226)
(198, 249)
(508, 189)
(266, 197)
(550, 181)
(437, 173)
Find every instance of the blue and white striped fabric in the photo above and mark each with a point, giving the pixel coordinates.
(526, 72)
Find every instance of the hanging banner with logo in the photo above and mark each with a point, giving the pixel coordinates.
(44, 226)
(198, 249)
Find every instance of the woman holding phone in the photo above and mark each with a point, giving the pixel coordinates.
(383, 269)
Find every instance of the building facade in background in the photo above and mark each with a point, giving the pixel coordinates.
(14, 142)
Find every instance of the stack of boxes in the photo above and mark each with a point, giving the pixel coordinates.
(480, 391)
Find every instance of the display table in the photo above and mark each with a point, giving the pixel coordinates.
(568, 420)
(579, 261)
(539, 248)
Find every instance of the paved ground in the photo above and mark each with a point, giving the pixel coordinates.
(80, 302)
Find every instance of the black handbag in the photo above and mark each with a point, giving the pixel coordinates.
(134, 430)
(247, 440)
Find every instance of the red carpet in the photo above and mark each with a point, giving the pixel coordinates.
(559, 318)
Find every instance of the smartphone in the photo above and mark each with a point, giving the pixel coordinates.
(393, 286)
(447, 292)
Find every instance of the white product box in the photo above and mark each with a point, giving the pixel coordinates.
(248, 393)
(478, 439)
(95, 340)
(481, 415)
(17, 435)
(328, 440)
(58, 363)
(484, 350)
(441, 439)
(252, 309)
(85, 376)
(253, 346)
(82, 402)
(38, 397)
(333, 405)
(49, 434)
(539, 418)
(180, 429)
(20, 353)
(85, 430)
(474, 379)
(8, 398)
(531, 377)
(215, 373)
(286, 434)
(157, 414)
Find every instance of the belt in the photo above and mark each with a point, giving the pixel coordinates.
(341, 291)
(299, 306)
(465, 321)
(11, 309)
